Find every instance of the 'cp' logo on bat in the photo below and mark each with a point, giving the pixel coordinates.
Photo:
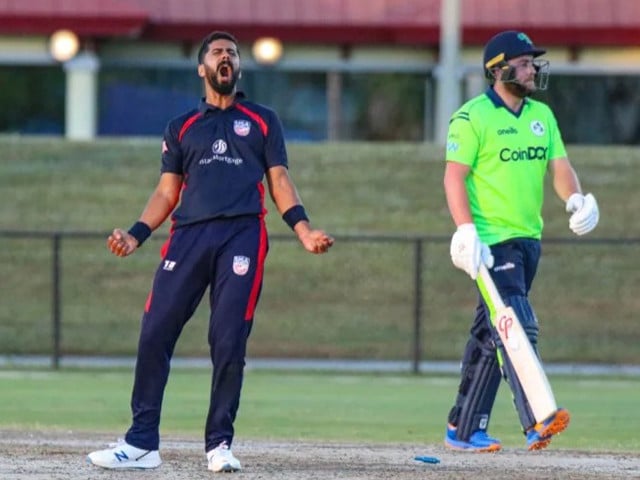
(504, 325)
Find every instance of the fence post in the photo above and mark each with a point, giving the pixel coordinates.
(55, 299)
(417, 307)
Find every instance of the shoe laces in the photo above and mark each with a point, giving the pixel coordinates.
(451, 431)
(117, 443)
(481, 435)
(534, 436)
(221, 450)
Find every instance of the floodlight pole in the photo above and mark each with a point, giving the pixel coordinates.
(447, 73)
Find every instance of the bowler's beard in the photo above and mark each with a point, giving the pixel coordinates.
(223, 88)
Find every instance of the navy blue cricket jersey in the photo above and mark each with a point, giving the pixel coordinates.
(222, 156)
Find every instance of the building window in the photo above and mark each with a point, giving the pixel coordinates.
(141, 101)
(32, 99)
(596, 109)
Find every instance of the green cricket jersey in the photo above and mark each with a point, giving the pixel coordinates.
(508, 155)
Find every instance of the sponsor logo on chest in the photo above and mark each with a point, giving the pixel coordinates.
(219, 149)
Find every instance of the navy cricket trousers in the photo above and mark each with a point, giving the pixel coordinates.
(228, 256)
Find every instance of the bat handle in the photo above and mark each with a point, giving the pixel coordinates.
(485, 280)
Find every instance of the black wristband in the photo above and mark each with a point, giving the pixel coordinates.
(294, 215)
(140, 231)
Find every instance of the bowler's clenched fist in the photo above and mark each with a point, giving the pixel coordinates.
(121, 243)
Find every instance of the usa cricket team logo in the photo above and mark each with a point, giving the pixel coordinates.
(241, 265)
(242, 127)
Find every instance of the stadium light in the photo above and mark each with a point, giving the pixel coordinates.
(64, 45)
(267, 50)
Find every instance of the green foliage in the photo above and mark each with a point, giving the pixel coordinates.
(25, 111)
(387, 106)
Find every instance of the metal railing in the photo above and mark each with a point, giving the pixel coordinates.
(416, 244)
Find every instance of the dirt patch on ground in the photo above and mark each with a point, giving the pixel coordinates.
(53, 456)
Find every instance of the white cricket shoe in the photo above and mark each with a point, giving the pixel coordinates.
(123, 455)
(222, 460)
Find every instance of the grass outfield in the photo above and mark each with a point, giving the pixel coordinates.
(356, 302)
(314, 406)
(388, 188)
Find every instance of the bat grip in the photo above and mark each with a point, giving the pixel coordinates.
(485, 282)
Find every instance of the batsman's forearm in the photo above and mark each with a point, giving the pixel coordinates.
(565, 179)
(456, 192)
(458, 203)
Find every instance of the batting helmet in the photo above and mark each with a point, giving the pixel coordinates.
(507, 45)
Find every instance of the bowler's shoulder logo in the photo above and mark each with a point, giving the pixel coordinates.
(242, 127)
(241, 264)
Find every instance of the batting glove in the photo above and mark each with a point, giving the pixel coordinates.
(467, 251)
(585, 213)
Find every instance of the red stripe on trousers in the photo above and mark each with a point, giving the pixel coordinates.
(262, 255)
(257, 281)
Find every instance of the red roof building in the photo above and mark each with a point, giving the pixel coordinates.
(573, 23)
(333, 37)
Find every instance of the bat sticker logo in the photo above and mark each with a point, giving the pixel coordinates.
(505, 322)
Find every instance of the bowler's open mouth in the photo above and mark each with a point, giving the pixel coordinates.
(225, 72)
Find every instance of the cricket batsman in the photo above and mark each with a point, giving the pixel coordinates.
(500, 146)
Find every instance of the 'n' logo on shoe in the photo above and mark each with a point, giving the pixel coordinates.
(120, 456)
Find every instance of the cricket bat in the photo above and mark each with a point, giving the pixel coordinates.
(517, 346)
